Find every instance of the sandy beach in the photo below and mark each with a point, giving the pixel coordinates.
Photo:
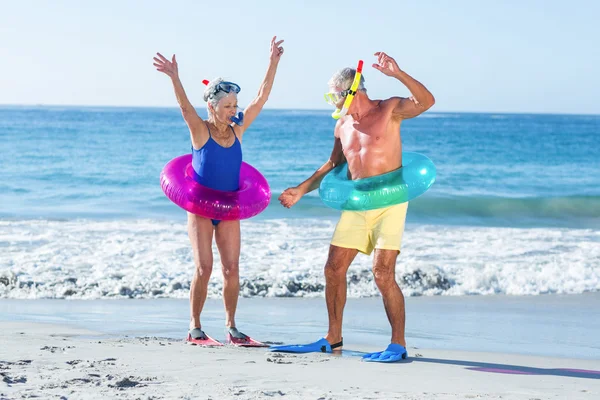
(49, 361)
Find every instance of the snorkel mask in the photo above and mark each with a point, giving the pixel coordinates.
(334, 98)
(228, 87)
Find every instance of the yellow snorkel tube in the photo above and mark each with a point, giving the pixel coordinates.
(337, 114)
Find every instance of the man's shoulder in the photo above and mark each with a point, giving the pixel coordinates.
(388, 105)
(338, 126)
(391, 102)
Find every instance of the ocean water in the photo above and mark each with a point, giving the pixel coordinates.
(515, 208)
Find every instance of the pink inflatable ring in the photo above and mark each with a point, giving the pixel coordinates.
(178, 183)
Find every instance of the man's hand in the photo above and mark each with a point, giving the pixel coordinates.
(290, 196)
(386, 64)
(165, 66)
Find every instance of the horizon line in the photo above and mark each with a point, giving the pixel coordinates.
(39, 105)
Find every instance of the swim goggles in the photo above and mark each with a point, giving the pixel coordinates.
(226, 87)
(333, 98)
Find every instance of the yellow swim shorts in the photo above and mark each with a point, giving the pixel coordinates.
(373, 229)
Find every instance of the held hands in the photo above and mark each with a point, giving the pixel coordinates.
(386, 64)
(165, 66)
(290, 196)
(276, 49)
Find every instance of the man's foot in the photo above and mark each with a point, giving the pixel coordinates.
(394, 352)
(237, 338)
(198, 337)
(320, 346)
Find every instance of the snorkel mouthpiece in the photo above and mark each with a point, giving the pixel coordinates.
(238, 119)
(337, 114)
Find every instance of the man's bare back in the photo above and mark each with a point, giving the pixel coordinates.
(372, 145)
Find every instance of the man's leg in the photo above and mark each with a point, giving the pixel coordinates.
(349, 238)
(384, 271)
(336, 268)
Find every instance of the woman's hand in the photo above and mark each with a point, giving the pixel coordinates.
(276, 50)
(165, 66)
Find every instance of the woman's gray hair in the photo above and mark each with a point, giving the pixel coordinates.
(344, 77)
(210, 96)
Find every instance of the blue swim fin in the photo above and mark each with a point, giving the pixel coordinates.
(394, 352)
(320, 346)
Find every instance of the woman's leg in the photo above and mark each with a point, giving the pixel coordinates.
(200, 231)
(227, 237)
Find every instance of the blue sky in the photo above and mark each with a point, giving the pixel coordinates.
(480, 56)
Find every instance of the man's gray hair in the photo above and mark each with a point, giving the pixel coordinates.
(344, 77)
(210, 96)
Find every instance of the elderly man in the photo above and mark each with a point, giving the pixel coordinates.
(368, 139)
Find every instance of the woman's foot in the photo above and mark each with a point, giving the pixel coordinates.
(197, 334)
(237, 338)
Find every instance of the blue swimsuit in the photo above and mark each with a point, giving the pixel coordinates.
(218, 167)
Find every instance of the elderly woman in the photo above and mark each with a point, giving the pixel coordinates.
(216, 159)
